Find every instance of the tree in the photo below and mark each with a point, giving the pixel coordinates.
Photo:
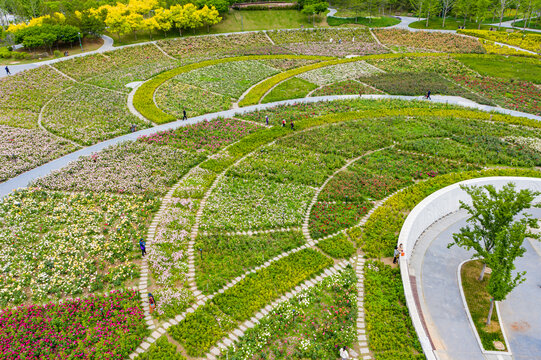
(508, 248)
(135, 22)
(178, 17)
(491, 213)
(209, 16)
(193, 20)
(446, 5)
(116, 21)
(463, 8)
(480, 10)
(431, 7)
(150, 24)
(495, 236)
(503, 4)
(163, 18)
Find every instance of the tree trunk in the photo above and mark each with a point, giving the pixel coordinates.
(490, 311)
(443, 25)
(464, 24)
(427, 18)
(180, 31)
(135, 34)
(482, 276)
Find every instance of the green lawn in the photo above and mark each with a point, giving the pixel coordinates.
(383, 21)
(519, 68)
(450, 24)
(236, 21)
(478, 301)
(533, 24)
(290, 89)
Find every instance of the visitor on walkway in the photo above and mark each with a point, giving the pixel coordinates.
(7, 71)
(396, 255)
(151, 303)
(339, 41)
(292, 125)
(133, 128)
(184, 117)
(284, 123)
(428, 95)
(344, 355)
(143, 247)
(267, 120)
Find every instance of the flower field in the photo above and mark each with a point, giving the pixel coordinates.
(256, 210)
(102, 115)
(60, 244)
(422, 64)
(314, 324)
(239, 204)
(340, 72)
(208, 136)
(230, 79)
(419, 83)
(84, 67)
(18, 150)
(335, 49)
(225, 257)
(168, 259)
(130, 167)
(95, 327)
(288, 165)
(442, 42)
(516, 95)
(205, 47)
(174, 97)
(320, 35)
(530, 42)
(25, 93)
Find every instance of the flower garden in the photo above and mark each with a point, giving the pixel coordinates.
(245, 224)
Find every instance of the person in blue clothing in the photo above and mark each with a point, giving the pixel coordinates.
(7, 71)
(428, 95)
(142, 245)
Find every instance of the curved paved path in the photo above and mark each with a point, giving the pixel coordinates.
(24, 179)
(14, 69)
(435, 267)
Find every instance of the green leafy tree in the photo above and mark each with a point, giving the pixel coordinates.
(508, 248)
(491, 213)
(495, 236)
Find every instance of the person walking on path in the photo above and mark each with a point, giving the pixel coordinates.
(7, 71)
(184, 117)
(292, 125)
(428, 95)
(151, 303)
(143, 247)
(396, 255)
(284, 123)
(267, 120)
(344, 355)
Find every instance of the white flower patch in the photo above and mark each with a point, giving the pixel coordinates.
(242, 204)
(331, 74)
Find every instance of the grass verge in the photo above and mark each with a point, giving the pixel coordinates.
(478, 301)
